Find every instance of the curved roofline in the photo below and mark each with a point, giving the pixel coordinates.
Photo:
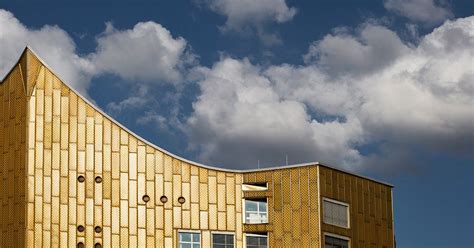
(170, 153)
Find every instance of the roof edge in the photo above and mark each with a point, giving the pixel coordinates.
(357, 175)
(27, 47)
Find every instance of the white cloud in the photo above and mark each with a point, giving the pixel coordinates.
(52, 43)
(252, 17)
(147, 53)
(425, 11)
(341, 53)
(249, 12)
(356, 89)
(418, 98)
(157, 120)
(130, 103)
(240, 117)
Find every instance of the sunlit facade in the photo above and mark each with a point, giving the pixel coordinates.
(71, 176)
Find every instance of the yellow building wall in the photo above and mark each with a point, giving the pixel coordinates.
(69, 138)
(13, 157)
(50, 136)
(293, 206)
(370, 206)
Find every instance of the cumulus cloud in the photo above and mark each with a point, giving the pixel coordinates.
(247, 12)
(426, 11)
(52, 43)
(357, 89)
(418, 98)
(240, 115)
(147, 53)
(341, 53)
(248, 16)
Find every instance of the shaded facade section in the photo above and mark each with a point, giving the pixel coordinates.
(13, 115)
(370, 208)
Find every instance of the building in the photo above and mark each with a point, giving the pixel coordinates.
(71, 176)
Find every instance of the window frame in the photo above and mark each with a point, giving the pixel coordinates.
(339, 203)
(191, 232)
(224, 233)
(258, 211)
(332, 235)
(255, 235)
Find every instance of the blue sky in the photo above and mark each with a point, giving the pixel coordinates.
(382, 88)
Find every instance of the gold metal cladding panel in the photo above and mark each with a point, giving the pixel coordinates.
(369, 205)
(259, 194)
(13, 157)
(72, 140)
(288, 198)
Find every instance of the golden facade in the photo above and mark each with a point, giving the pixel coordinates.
(71, 176)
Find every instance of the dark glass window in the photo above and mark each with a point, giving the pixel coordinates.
(333, 242)
(256, 241)
(220, 240)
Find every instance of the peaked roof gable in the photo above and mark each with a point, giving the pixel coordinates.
(30, 66)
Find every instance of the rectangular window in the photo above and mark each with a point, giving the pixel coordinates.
(333, 242)
(221, 240)
(256, 241)
(256, 211)
(189, 240)
(335, 213)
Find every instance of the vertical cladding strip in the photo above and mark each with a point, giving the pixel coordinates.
(47, 162)
(31, 133)
(392, 233)
(56, 162)
(159, 210)
(2, 163)
(23, 158)
(239, 211)
(107, 184)
(97, 126)
(64, 165)
(314, 196)
(13, 158)
(73, 170)
(132, 192)
(319, 208)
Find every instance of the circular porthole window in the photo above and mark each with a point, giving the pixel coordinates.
(181, 200)
(98, 229)
(81, 179)
(164, 199)
(80, 245)
(98, 179)
(146, 198)
(97, 245)
(80, 228)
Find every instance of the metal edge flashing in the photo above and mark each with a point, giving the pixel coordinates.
(172, 154)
